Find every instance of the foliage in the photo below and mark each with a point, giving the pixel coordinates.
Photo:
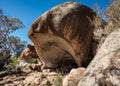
(113, 14)
(58, 80)
(100, 24)
(99, 11)
(16, 45)
(14, 65)
(33, 60)
(111, 20)
(8, 25)
(9, 44)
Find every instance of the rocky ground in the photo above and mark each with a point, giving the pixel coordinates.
(31, 76)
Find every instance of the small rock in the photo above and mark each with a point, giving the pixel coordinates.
(26, 69)
(16, 82)
(37, 81)
(36, 67)
(45, 82)
(74, 76)
(52, 74)
(46, 71)
(29, 79)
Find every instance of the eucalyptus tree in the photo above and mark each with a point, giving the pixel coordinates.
(9, 44)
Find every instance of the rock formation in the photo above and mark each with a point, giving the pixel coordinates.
(63, 32)
(62, 36)
(29, 53)
(73, 77)
(104, 70)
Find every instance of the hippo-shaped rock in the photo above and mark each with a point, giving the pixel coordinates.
(64, 33)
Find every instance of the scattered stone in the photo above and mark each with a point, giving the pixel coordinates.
(52, 74)
(36, 67)
(73, 77)
(27, 69)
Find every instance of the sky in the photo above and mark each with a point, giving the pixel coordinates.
(29, 10)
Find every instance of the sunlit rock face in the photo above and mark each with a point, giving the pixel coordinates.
(104, 69)
(73, 77)
(64, 33)
(29, 53)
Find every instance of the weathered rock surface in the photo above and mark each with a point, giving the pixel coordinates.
(44, 78)
(73, 77)
(65, 29)
(12, 80)
(31, 75)
(104, 70)
(29, 53)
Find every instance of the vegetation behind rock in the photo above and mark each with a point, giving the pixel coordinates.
(9, 45)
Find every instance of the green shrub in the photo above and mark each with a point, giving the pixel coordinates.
(14, 65)
(113, 14)
(33, 60)
(9, 44)
(58, 80)
(110, 22)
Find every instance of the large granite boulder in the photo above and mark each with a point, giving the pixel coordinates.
(104, 70)
(64, 33)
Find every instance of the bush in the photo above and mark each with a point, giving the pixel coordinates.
(33, 60)
(113, 14)
(14, 65)
(58, 80)
(111, 21)
(9, 45)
